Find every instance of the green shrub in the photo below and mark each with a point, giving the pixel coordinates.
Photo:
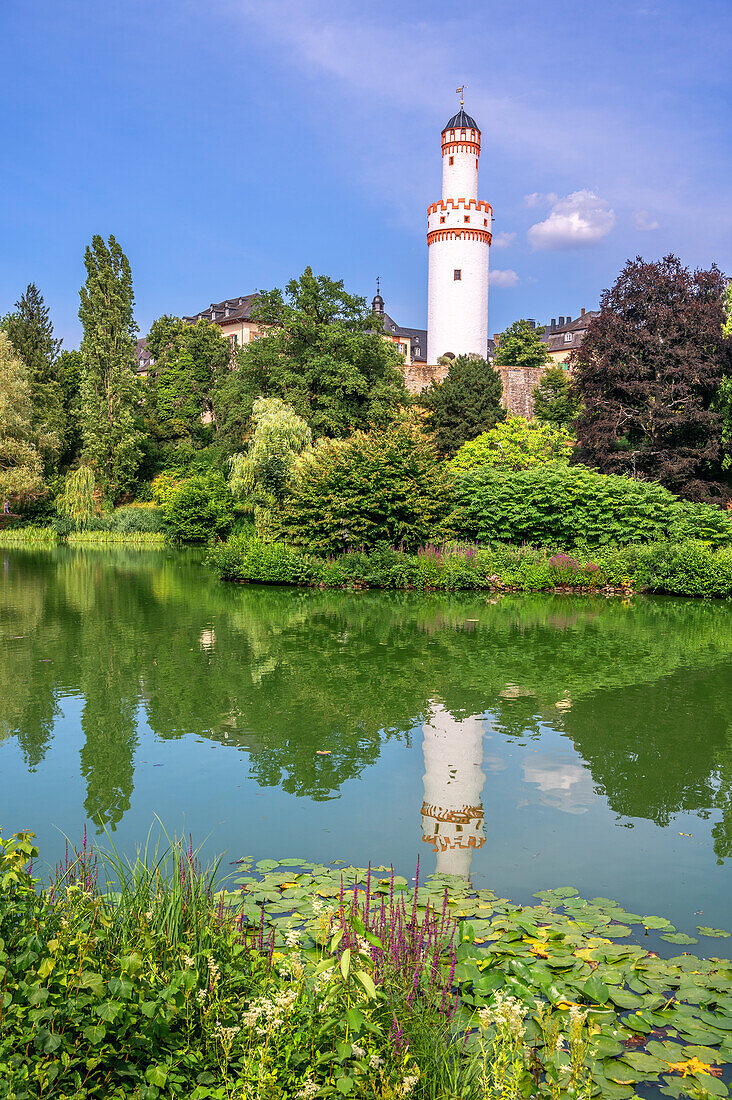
(133, 519)
(516, 444)
(200, 509)
(565, 506)
(385, 487)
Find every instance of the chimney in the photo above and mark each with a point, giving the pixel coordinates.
(583, 312)
(496, 336)
(561, 321)
(532, 322)
(554, 323)
(568, 319)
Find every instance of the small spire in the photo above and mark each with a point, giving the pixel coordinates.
(461, 92)
(377, 305)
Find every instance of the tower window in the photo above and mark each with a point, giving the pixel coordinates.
(466, 218)
(485, 221)
(458, 274)
(476, 164)
(462, 133)
(452, 160)
(442, 219)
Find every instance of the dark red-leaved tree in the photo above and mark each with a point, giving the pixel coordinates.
(648, 371)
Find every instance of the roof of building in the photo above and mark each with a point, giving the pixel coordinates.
(461, 120)
(143, 355)
(417, 336)
(555, 335)
(223, 313)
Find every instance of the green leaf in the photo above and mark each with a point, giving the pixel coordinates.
(596, 990)
(678, 937)
(156, 1075)
(355, 1019)
(346, 963)
(344, 1085)
(120, 987)
(95, 1033)
(95, 982)
(109, 1011)
(367, 982)
(711, 931)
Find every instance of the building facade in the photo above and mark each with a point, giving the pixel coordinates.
(458, 242)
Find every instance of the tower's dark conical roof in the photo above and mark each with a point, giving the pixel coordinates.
(461, 120)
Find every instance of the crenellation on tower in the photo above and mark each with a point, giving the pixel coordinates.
(458, 238)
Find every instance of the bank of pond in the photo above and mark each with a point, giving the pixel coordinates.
(156, 977)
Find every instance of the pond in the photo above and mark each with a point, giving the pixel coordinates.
(528, 741)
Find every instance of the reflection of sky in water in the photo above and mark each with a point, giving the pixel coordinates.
(528, 742)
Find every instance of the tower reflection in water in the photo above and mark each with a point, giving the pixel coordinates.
(452, 811)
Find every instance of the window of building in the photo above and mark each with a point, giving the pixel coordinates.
(466, 218)
(462, 133)
(403, 349)
(485, 221)
(568, 337)
(452, 133)
(452, 160)
(442, 219)
(458, 274)
(476, 164)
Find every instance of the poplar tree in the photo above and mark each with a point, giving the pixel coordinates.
(30, 331)
(108, 385)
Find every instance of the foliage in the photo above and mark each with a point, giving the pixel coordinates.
(320, 355)
(649, 372)
(262, 475)
(187, 360)
(68, 369)
(521, 346)
(516, 444)
(562, 506)
(200, 509)
(108, 386)
(684, 568)
(163, 487)
(30, 331)
(385, 487)
(28, 536)
(78, 497)
(21, 465)
(466, 403)
(555, 399)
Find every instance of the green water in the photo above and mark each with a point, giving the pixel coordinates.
(528, 741)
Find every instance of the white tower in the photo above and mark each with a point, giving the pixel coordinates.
(452, 811)
(458, 239)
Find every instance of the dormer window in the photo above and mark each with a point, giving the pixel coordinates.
(568, 337)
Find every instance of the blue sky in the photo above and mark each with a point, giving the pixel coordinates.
(229, 143)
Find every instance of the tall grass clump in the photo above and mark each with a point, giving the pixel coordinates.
(116, 538)
(29, 536)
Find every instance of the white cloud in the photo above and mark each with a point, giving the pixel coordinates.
(503, 240)
(503, 278)
(538, 198)
(577, 220)
(645, 222)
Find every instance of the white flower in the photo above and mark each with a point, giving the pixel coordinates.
(293, 936)
(188, 961)
(375, 1062)
(309, 1088)
(358, 1052)
(201, 996)
(213, 970)
(409, 1082)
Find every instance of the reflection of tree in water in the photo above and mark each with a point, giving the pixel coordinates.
(282, 674)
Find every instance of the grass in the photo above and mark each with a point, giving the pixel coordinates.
(116, 538)
(29, 536)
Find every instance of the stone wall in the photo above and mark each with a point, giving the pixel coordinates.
(518, 384)
(518, 389)
(419, 375)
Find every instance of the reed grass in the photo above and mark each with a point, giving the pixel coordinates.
(116, 538)
(29, 536)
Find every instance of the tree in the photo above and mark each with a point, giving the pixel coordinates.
(30, 331)
(199, 509)
(21, 464)
(516, 444)
(649, 372)
(555, 399)
(521, 346)
(466, 403)
(262, 475)
(77, 500)
(187, 359)
(319, 354)
(385, 487)
(68, 366)
(108, 387)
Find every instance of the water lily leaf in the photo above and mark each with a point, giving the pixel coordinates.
(267, 864)
(719, 932)
(604, 1046)
(595, 990)
(658, 922)
(647, 1064)
(623, 999)
(678, 937)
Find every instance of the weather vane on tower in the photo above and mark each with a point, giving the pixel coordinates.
(461, 92)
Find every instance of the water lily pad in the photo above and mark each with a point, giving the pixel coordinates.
(719, 932)
(678, 937)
